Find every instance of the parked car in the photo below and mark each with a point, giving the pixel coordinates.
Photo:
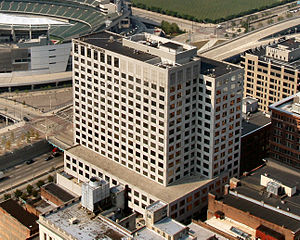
(29, 161)
(48, 158)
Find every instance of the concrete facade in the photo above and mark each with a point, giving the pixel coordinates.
(152, 108)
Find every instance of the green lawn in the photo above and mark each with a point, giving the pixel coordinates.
(203, 9)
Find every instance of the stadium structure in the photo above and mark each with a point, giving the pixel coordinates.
(35, 37)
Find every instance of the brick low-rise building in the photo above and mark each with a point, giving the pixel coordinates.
(285, 131)
(55, 194)
(15, 222)
(263, 205)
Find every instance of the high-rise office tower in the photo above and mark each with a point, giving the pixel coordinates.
(152, 107)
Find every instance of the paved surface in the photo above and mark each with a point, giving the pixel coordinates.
(55, 121)
(20, 156)
(24, 174)
(44, 101)
(234, 46)
(58, 127)
(35, 79)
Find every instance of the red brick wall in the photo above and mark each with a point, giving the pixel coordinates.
(45, 194)
(10, 228)
(32, 210)
(277, 150)
(263, 236)
(244, 217)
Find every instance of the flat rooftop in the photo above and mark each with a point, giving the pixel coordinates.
(251, 188)
(260, 52)
(41, 205)
(215, 68)
(169, 226)
(58, 192)
(254, 121)
(226, 224)
(145, 47)
(113, 42)
(16, 211)
(261, 212)
(148, 234)
(171, 45)
(203, 233)
(166, 194)
(87, 227)
(285, 105)
(155, 206)
(289, 44)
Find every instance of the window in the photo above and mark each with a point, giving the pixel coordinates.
(116, 62)
(108, 60)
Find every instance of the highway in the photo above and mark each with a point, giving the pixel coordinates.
(238, 45)
(26, 173)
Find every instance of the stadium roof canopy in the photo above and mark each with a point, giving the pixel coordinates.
(29, 21)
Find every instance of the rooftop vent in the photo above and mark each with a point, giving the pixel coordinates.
(95, 182)
(274, 188)
(111, 39)
(73, 220)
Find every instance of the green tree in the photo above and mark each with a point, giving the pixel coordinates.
(169, 28)
(40, 183)
(24, 196)
(50, 178)
(35, 193)
(7, 196)
(18, 193)
(280, 19)
(174, 28)
(29, 189)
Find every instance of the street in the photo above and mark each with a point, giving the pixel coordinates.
(26, 173)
